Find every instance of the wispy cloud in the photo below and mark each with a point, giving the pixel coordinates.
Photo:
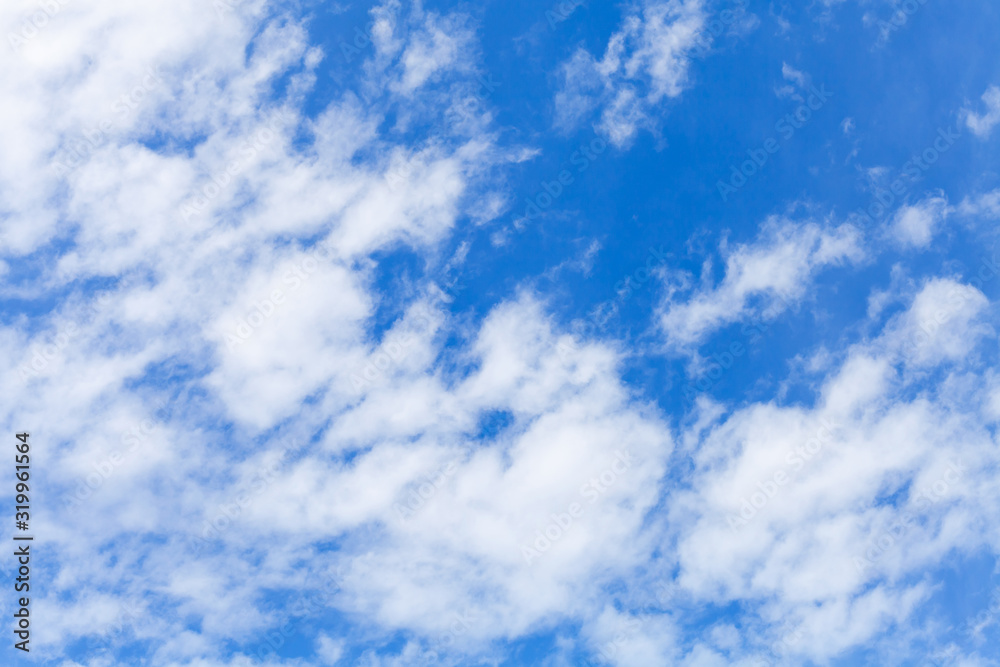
(761, 278)
(645, 63)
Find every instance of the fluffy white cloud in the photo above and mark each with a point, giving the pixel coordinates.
(218, 424)
(228, 237)
(239, 287)
(789, 506)
(555, 499)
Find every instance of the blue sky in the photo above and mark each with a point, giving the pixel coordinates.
(659, 332)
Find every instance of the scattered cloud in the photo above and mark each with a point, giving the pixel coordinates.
(915, 226)
(982, 124)
(761, 278)
(645, 63)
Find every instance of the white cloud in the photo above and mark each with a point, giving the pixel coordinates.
(986, 205)
(192, 199)
(940, 324)
(785, 510)
(438, 47)
(328, 650)
(982, 124)
(246, 301)
(211, 392)
(646, 62)
(571, 425)
(915, 226)
(794, 75)
(761, 278)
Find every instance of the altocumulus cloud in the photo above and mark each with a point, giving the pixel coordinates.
(213, 224)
